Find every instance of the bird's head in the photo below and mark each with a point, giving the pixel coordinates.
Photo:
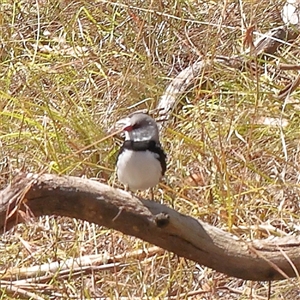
(139, 127)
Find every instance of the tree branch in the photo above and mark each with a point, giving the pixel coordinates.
(150, 221)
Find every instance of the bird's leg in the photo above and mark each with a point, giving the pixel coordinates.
(128, 190)
(152, 194)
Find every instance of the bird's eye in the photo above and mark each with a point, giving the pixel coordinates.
(136, 125)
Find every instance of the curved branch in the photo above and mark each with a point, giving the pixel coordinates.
(267, 44)
(155, 223)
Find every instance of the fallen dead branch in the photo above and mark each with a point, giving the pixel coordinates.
(158, 224)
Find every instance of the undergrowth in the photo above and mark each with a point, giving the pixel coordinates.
(69, 70)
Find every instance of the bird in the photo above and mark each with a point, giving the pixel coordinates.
(141, 161)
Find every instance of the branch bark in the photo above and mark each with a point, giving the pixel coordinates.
(150, 221)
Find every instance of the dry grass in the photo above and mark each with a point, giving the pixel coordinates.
(70, 69)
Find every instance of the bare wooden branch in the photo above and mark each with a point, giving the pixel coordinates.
(158, 224)
(266, 45)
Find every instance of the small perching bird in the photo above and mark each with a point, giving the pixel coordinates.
(141, 160)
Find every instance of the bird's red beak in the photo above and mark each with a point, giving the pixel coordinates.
(124, 124)
(128, 128)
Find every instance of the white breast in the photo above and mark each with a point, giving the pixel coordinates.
(139, 170)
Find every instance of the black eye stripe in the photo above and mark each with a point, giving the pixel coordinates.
(136, 125)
